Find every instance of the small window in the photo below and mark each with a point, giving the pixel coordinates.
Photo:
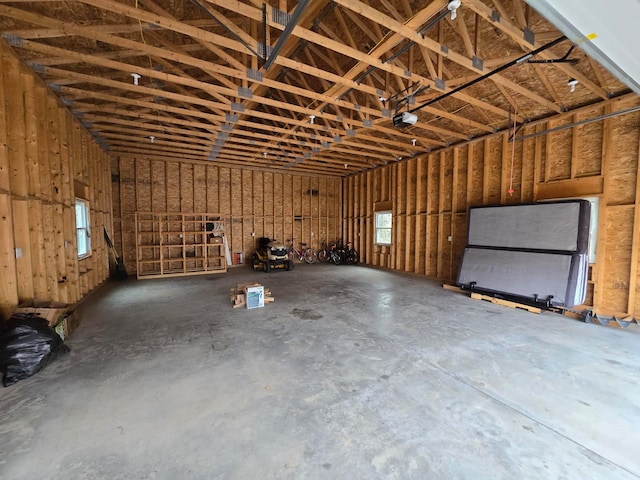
(83, 231)
(383, 228)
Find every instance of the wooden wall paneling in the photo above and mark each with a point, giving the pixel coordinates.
(60, 259)
(8, 275)
(235, 195)
(349, 208)
(93, 169)
(335, 212)
(15, 127)
(527, 167)
(35, 120)
(70, 253)
(617, 269)
(284, 222)
(75, 147)
(476, 157)
(322, 202)
(297, 232)
(143, 185)
(50, 251)
(589, 144)
(186, 192)
(444, 227)
(108, 213)
(622, 168)
(431, 267)
(601, 253)
(5, 187)
(410, 242)
(420, 214)
(248, 210)
(511, 170)
(575, 148)
(633, 304)
(67, 194)
(38, 257)
(558, 153)
(314, 200)
(53, 142)
(158, 186)
(22, 241)
(67, 198)
(455, 198)
(199, 188)
(69, 248)
(398, 181)
(506, 168)
(116, 234)
(19, 179)
(172, 186)
(258, 201)
(486, 171)
(493, 169)
(43, 142)
(128, 202)
(348, 188)
(539, 167)
(213, 190)
(31, 134)
(621, 173)
(268, 206)
(410, 237)
(369, 226)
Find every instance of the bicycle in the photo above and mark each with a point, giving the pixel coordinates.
(324, 254)
(351, 255)
(343, 254)
(309, 255)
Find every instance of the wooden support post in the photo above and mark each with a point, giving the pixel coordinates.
(633, 274)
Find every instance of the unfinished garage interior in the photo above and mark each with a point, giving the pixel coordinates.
(168, 136)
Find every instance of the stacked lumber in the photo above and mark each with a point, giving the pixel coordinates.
(238, 295)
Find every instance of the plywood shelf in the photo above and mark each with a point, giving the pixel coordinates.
(160, 253)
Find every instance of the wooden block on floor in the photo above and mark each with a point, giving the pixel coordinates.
(453, 288)
(240, 301)
(505, 303)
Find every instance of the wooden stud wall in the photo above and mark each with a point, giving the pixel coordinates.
(274, 205)
(46, 158)
(430, 195)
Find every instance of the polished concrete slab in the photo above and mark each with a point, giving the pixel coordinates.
(352, 373)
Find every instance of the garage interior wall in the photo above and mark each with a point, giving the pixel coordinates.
(47, 159)
(274, 205)
(429, 196)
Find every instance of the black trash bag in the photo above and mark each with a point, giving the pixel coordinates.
(27, 345)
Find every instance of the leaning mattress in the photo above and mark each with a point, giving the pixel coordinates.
(557, 226)
(534, 252)
(550, 278)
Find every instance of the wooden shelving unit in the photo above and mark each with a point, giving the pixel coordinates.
(179, 244)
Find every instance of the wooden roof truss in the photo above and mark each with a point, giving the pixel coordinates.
(307, 87)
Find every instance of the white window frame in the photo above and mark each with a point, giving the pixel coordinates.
(83, 228)
(378, 229)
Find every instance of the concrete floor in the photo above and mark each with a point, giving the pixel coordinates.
(353, 373)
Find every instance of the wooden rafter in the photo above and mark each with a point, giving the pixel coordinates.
(203, 95)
